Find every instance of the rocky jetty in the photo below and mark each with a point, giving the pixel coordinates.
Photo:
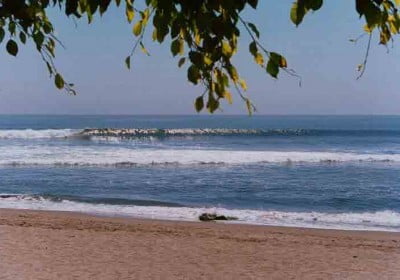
(137, 132)
(184, 132)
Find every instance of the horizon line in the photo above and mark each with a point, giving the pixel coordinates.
(202, 115)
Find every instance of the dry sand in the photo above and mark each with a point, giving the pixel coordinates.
(55, 245)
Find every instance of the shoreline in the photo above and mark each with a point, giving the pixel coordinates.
(14, 212)
(47, 244)
(128, 218)
(379, 221)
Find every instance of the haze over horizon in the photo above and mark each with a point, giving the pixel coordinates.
(319, 50)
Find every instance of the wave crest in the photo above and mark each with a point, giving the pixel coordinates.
(37, 133)
(125, 157)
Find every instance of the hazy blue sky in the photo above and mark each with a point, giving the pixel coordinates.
(318, 50)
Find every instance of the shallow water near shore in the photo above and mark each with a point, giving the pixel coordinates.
(323, 171)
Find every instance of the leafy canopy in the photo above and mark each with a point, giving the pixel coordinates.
(203, 34)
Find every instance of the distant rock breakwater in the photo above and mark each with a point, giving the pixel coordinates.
(137, 132)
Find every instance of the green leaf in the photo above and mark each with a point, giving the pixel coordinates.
(154, 35)
(89, 14)
(130, 13)
(2, 33)
(233, 73)
(228, 97)
(181, 61)
(137, 28)
(360, 6)
(372, 15)
(143, 48)
(272, 68)
(253, 48)
(22, 37)
(278, 59)
(193, 74)
(208, 61)
(162, 32)
(249, 106)
(259, 59)
(128, 62)
(12, 47)
(177, 47)
(243, 84)
(59, 81)
(297, 13)
(253, 3)
(226, 49)
(199, 104)
(196, 58)
(385, 36)
(315, 4)
(38, 37)
(47, 27)
(212, 104)
(12, 27)
(71, 7)
(103, 5)
(254, 29)
(283, 62)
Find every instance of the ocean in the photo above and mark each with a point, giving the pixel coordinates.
(339, 172)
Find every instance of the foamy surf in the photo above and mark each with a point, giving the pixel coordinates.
(377, 221)
(122, 156)
(37, 133)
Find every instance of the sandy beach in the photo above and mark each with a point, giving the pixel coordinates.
(59, 245)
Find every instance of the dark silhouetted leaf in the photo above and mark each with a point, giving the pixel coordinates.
(59, 81)
(12, 47)
(199, 103)
(128, 62)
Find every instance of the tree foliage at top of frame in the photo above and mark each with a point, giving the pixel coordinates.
(203, 34)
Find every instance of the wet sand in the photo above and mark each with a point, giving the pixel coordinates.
(59, 245)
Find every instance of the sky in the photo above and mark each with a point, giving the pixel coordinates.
(319, 50)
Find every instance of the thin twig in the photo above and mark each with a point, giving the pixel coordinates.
(290, 72)
(140, 39)
(355, 40)
(364, 64)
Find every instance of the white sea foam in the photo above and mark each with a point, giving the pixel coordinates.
(114, 155)
(381, 220)
(36, 133)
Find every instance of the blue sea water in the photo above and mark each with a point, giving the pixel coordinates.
(308, 171)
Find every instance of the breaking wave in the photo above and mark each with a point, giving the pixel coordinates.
(120, 156)
(37, 133)
(385, 220)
